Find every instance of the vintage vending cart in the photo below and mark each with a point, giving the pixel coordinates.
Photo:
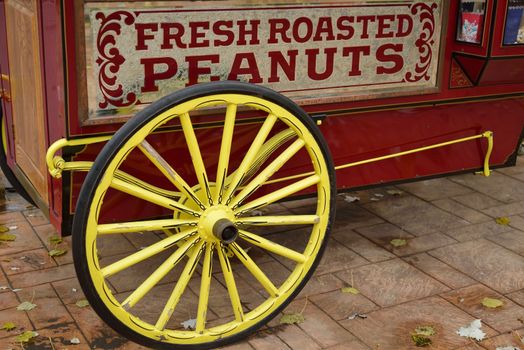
(123, 121)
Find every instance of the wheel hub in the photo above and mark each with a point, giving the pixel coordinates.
(216, 223)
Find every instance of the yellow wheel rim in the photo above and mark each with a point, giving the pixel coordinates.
(228, 202)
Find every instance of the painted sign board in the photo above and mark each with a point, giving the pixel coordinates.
(137, 52)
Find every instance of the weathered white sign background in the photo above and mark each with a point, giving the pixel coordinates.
(137, 54)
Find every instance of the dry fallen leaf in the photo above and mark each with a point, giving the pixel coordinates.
(394, 192)
(350, 199)
(398, 242)
(292, 318)
(75, 341)
(8, 326)
(472, 331)
(189, 324)
(421, 340)
(26, 337)
(492, 303)
(503, 220)
(425, 330)
(82, 303)
(26, 306)
(57, 252)
(350, 290)
(4, 229)
(7, 237)
(357, 315)
(55, 239)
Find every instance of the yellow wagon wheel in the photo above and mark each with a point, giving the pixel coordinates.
(233, 256)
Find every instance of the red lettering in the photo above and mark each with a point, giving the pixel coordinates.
(346, 30)
(356, 52)
(243, 32)
(229, 35)
(365, 25)
(302, 35)
(176, 36)
(312, 55)
(287, 66)
(142, 36)
(384, 27)
(250, 69)
(405, 26)
(278, 26)
(324, 26)
(194, 70)
(197, 34)
(151, 75)
(397, 60)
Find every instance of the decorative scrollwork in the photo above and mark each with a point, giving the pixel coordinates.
(109, 59)
(425, 41)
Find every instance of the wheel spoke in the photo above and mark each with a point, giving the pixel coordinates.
(280, 220)
(254, 269)
(242, 170)
(158, 274)
(225, 150)
(196, 156)
(278, 195)
(140, 226)
(230, 284)
(145, 253)
(180, 286)
(151, 197)
(265, 174)
(272, 246)
(169, 172)
(205, 286)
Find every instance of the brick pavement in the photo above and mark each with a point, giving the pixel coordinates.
(456, 254)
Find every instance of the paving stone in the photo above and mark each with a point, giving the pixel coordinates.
(414, 215)
(26, 239)
(517, 297)
(391, 328)
(439, 271)
(392, 282)
(19, 318)
(8, 299)
(10, 217)
(34, 278)
(340, 306)
(496, 267)
(263, 341)
(431, 190)
(505, 210)
(461, 210)
(61, 335)
(364, 247)
(318, 325)
(499, 186)
(65, 290)
(477, 231)
(383, 234)
(36, 217)
(503, 318)
(516, 222)
(353, 345)
(49, 309)
(321, 284)
(238, 346)
(295, 337)
(513, 240)
(477, 201)
(351, 215)
(337, 257)
(32, 260)
(508, 339)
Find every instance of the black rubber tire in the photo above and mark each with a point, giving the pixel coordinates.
(108, 153)
(7, 170)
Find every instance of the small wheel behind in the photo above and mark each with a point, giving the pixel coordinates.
(232, 259)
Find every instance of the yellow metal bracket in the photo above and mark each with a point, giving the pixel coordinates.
(57, 164)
